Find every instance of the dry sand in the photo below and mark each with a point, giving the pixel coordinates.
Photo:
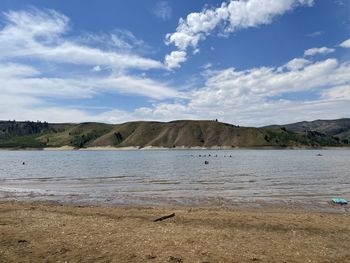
(37, 232)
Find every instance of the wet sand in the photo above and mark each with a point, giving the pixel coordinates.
(41, 232)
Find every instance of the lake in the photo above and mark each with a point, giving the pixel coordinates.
(178, 177)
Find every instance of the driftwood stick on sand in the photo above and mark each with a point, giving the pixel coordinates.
(164, 217)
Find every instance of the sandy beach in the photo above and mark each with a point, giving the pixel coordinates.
(41, 232)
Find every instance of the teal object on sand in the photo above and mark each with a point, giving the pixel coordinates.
(340, 201)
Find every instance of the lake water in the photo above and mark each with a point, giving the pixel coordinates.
(177, 177)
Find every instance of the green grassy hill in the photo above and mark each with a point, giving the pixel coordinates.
(182, 133)
(321, 130)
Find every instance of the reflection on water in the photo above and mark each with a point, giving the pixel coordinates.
(177, 176)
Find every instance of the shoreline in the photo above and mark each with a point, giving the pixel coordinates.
(153, 148)
(41, 231)
(253, 207)
(303, 206)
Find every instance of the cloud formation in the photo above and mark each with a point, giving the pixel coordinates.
(41, 34)
(318, 50)
(230, 16)
(257, 96)
(315, 34)
(345, 44)
(163, 10)
(174, 59)
(265, 95)
(36, 50)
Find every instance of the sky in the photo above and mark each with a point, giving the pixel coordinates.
(247, 62)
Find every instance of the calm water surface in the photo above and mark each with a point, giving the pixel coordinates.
(176, 176)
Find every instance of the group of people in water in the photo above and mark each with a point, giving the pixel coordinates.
(209, 155)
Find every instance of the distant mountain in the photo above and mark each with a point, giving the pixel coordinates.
(336, 129)
(182, 133)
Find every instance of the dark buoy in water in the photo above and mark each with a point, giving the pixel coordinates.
(206, 162)
(200, 155)
(23, 163)
(319, 154)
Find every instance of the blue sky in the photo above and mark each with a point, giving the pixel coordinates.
(248, 62)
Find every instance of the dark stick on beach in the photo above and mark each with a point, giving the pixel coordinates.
(164, 217)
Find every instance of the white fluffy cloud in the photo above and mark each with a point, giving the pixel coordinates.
(27, 95)
(24, 80)
(295, 64)
(38, 41)
(345, 44)
(251, 97)
(174, 59)
(257, 96)
(260, 96)
(338, 93)
(139, 85)
(231, 16)
(318, 50)
(40, 34)
(235, 87)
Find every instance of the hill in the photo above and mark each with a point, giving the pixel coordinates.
(338, 130)
(181, 133)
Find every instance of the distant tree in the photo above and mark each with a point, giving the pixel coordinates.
(118, 137)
